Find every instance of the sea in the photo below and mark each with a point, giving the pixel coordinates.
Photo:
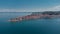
(37, 26)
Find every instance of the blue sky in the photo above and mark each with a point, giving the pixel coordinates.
(29, 5)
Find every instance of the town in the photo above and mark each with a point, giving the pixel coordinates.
(37, 15)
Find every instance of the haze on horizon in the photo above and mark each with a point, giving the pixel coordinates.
(29, 5)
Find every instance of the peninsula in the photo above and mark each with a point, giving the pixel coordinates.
(37, 15)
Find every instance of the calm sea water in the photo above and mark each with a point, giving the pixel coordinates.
(38, 26)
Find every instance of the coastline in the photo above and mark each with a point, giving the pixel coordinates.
(37, 15)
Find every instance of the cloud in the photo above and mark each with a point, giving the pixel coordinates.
(55, 8)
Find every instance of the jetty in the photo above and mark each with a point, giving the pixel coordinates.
(37, 15)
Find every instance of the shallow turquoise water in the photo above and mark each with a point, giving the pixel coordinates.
(38, 26)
